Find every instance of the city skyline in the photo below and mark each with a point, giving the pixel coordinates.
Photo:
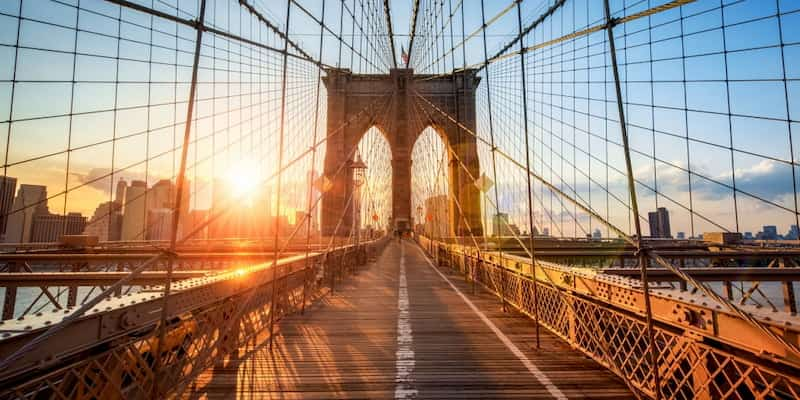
(139, 212)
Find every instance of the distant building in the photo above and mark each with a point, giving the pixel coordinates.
(793, 234)
(31, 201)
(748, 236)
(502, 227)
(545, 231)
(437, 216)
(119, 196)
(106, 222)
(597, 234)
(194, 221)
(134, 218)
(159, 224)
(659, 223)
(681, 235)
(49, 227)
(769, 232)
(8, 186)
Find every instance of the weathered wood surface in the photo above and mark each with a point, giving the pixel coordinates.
(346, 346)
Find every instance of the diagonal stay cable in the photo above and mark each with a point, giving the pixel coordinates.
(54, 329)
(652, 254)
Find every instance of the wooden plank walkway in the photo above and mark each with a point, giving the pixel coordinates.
(377, 339)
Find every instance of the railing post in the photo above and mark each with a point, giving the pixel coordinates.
(682, 283)
(330, 270)
(789, 300)
(503, 272)
(10, 296)
(727, 287)
(72, 294)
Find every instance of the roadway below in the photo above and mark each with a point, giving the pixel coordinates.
(402, 329)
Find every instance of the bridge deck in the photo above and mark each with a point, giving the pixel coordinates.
(357, 344)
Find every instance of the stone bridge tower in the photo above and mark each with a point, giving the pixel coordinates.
(358, 102)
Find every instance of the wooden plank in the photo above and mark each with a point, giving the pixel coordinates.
(345, 347)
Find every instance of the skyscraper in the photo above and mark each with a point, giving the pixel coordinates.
(49, 227)
(7, 187)
(770, 232)
(659, 223)
(119, 196)
(793, 234)
(134, 219)
(106, 222)
(159, 223)
(31, 201)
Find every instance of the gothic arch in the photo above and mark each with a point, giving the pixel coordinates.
(357, 102)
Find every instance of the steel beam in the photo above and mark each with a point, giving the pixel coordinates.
(47, 279)
(721, 274)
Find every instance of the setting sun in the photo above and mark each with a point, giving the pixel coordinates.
(244, 178)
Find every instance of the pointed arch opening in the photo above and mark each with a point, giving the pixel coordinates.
(374, 197)
(430, 184)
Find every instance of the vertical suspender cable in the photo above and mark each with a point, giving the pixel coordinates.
(652, 351)
(282, 130)
(313, 162)
(491, 141)
(181, 181)
(531, 244)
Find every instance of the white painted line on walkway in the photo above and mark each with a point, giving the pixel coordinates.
(536, 372)
(404, 366)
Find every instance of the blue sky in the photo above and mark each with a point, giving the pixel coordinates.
(703, 85)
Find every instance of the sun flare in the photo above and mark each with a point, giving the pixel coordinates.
(244, 178)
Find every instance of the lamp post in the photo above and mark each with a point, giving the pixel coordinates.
(419, 220)
(358, 169)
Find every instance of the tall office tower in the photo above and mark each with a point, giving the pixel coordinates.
(502, 227)
(31, 201)
(162, 195)
(106, 223)
(119, 196)
(48, 228)
(159, 224)
(659, 223)
(134, 219)
(7, 187)
(770, 232)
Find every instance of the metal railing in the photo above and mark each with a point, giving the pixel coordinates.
(703, 351)
(114, 351)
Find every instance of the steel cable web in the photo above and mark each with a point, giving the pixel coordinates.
(199, 124)
(577, 150)
(137, 90)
